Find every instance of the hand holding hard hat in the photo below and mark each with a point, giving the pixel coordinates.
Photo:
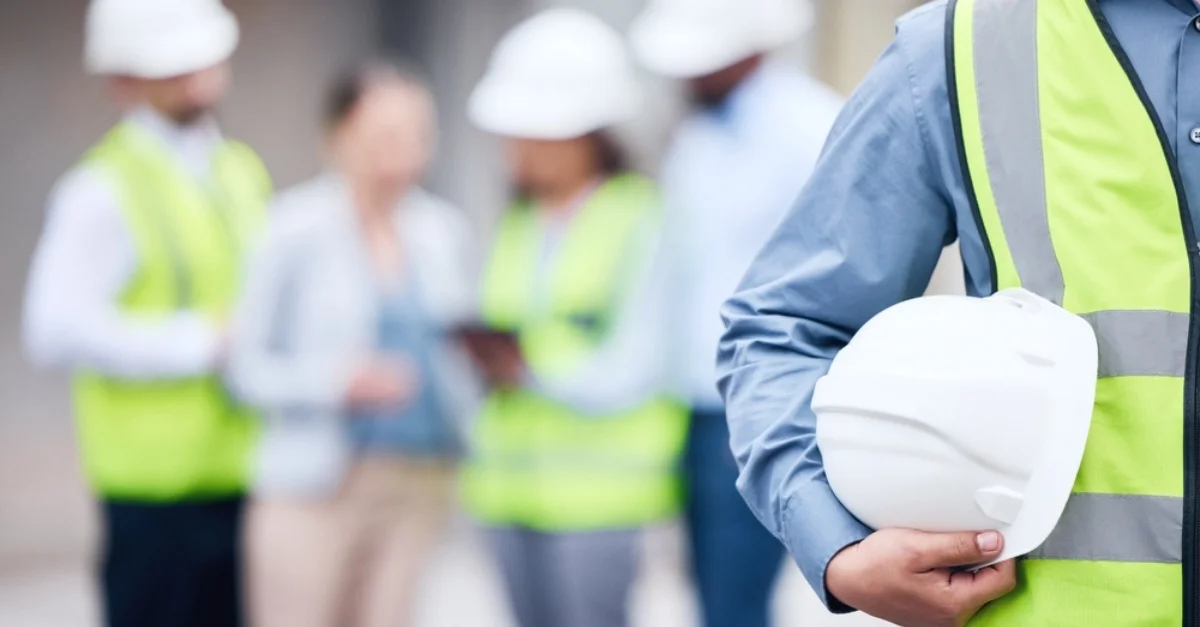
(955, 415)
(915, 579)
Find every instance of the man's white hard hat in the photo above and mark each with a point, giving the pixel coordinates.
(158, 38)
(950, 413)
(561, 74)
(690, 38)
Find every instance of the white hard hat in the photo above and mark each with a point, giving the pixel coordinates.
(690, 38)
(950, 413)
(158, 38)
(559, 75)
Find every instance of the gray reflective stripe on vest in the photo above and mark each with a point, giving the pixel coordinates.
(1141, 343)
(1094, 527)
(150, 195)
(181, 283)
(1006, 81)
(1117, 528)
(1132, 343)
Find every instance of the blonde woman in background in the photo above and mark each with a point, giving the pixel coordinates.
(576, 448)
(341, 338)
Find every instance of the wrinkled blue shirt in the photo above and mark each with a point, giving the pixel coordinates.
(886, 196)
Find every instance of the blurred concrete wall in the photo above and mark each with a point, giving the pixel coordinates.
(850, 36)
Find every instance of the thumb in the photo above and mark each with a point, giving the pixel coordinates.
(947, 550)
(974, 590)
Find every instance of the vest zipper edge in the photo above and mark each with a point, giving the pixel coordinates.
(1191, 443)
(961, 146)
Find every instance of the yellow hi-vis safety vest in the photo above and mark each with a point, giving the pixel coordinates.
(173, 439)
(537, 463)
(1079, 199)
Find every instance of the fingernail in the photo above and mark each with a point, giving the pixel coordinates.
(988, 542)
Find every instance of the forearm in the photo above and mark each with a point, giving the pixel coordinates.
(127, 346)
(624, 373)
(771, 366)
(275, 381)
(74, 318)
(629, 368)
(270, 364)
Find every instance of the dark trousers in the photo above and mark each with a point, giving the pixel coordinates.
(172, 565)
(735, 559)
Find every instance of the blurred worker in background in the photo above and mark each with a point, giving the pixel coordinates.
(577, 446)
(1057, 142)
(733, 169)
(131, 285)
(341, 338)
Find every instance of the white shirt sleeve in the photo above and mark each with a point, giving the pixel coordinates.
(73, 320)
(630, 367)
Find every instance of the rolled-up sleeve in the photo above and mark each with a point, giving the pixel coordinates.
(864, 234)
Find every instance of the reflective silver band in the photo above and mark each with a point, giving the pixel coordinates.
(1141, 343)
(1094, 527)
(1006, 81)
(1132, 343)
(1117, 528)
(151, 198)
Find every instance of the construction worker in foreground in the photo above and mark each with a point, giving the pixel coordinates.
(734, 166)
(1058, 142)
(130, 286)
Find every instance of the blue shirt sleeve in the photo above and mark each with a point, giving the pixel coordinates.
(865, 233)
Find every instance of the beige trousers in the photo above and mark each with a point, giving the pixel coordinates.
(352, 561)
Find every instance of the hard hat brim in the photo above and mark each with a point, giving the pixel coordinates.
(191, 49)
(1066, 435)
(674, 50)
(678, 45)
(502, 108)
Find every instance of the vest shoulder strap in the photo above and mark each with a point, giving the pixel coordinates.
(237, 160)
(597, 251)
(153, 191)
